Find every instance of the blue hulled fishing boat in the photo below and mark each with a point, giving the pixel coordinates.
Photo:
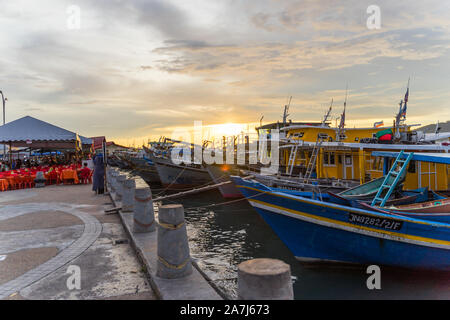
(317, 230)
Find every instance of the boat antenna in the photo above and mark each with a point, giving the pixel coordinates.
(401, 115)
(436, 131)
(286, 111)
(342, 122)
(327, 115)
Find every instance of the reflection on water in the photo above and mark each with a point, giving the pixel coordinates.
(223, 236)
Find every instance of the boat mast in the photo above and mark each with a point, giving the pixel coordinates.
(342, 120)
(400, 118)
(327, 115)
(286, 111)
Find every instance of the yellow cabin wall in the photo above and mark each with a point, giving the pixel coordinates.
(309, 134)
(364, 167)
(362, 163)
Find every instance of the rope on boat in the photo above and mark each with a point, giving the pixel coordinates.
(184, 189)
(226, 202)
(192, 191)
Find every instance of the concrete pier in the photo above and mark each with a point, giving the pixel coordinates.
(46, 233)
(264, 279)
(129, 186)
(143, 215)
(174, 260)
(193, 286)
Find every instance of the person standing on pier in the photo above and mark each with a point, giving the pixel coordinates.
(98, 183)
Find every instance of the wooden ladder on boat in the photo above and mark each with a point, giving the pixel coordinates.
(313, 160)
(292, 157)
(397, 175)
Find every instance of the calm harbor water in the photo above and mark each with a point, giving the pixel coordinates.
(223, 236)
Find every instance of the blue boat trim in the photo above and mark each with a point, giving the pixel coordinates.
(317, 231)
(352, 227)
(347, 209)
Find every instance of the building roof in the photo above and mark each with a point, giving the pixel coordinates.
(419, 156)
(277, 125)
(445, 127)
(98, 141)
(32, 132)
(112, 143)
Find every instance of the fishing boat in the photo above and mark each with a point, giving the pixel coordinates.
(221, 173)
(179, 176)
(141, 166)
(324, 154)
(399, 198)
(435, 210)
(364, 191)
(320, 231)
(433, 206)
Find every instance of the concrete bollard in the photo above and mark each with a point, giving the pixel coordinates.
(129, 185)
(113, 178)
(264, 279)
(174, 259)
(119, 186)
(109, 171)
(143, 215)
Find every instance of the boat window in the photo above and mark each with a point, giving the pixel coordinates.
(412, 166)
(348, 160)
(332, 162)
(356, 138)
(296, 135)
(329, 159)
(376, 163)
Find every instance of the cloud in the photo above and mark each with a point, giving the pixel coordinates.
(142, 66)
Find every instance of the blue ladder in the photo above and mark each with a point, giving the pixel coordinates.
(392, 173)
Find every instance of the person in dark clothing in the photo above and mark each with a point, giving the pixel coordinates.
(98, 183)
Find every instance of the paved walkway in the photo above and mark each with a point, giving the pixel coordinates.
(44, 231)
(92, 229)
(192, 287)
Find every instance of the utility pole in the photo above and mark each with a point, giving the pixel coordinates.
(3, 100)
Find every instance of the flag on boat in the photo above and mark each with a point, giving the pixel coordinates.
(378, 124)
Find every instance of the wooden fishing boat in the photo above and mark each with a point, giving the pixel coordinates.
(400, 198)
(180, 176)
(221, 173)
(442, 213)
(322, 231)
(433, 206)
(367, 190)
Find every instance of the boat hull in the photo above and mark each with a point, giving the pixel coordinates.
(218, 175)
(180, 176)
(317, 231)
(431, 216)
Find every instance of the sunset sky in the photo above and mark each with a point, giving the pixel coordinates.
(138, 69)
